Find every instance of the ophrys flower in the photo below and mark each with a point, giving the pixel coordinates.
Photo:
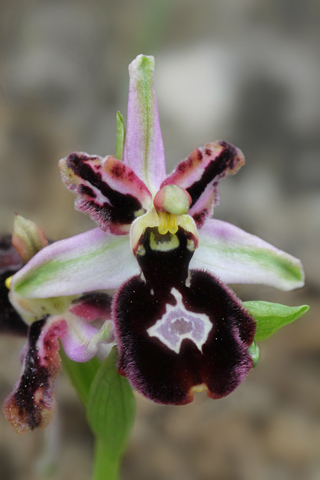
(179, 328)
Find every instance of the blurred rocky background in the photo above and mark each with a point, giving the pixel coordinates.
(245, 71)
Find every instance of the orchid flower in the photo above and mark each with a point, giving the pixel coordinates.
(179, 328)
(32, 402)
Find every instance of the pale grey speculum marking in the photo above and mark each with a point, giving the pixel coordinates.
(178, 324)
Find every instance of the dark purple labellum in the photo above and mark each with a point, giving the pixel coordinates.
(180, 329)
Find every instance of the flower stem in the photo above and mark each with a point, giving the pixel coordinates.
(106, 463)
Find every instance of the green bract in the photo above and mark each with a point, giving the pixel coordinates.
(120, 136)
(270, 317)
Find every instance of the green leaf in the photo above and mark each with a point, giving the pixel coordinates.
(255, 353)
(80, 374)
(120, 136)
(270, 317)
(111, 407)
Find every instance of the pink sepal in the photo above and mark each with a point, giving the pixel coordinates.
(143, 149)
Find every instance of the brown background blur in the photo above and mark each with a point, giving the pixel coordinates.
(244, 71)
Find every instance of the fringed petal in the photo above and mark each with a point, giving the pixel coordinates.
(200, 173)
(32, 402)
(143, 149)
(108, 190)
(236, 256)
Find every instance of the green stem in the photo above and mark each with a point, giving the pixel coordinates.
(110, 407)
(106, 464)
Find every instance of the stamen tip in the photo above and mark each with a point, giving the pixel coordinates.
(8, 282)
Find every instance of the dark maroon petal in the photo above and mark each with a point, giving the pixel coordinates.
(10, 263)
(108, 190)
(200, 173)
(32, 402)
(178, 329)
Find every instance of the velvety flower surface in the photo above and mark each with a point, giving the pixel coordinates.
(179, 328)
